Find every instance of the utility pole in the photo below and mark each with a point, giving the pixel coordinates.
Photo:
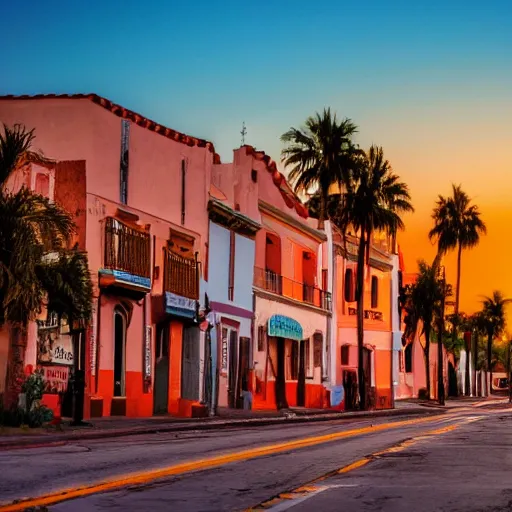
(509, 372)
(440, 380)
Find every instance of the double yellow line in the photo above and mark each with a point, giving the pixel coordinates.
(203, 464)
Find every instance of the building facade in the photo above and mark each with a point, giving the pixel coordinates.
(141, 192)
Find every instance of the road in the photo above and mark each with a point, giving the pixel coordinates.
(457, 461)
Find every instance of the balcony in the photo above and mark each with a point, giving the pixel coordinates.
(127, 258)
(286, 287)
(181, 275)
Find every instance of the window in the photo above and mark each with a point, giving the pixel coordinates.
(231, 283)
(307, 356)
(125, 144)
(324, 279)
(183, 177)
(317, 350)
(408, 358)
(345, 354)
(261, 338)
(375, 292)
(349, 285)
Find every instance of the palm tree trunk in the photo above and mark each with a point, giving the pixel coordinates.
(467, 383)
(323, 208)
(457, 290)
(360, 320)
(489, 363)
(440, 373)
(427, 359)
(15, 364)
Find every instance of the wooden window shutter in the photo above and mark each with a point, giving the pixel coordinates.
(261, 338)
(345, 354)
(317, 350)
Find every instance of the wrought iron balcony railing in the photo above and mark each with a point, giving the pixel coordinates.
(280, 285)
(181, 275)
(127, 249)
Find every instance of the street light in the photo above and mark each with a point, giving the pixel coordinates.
(440, 381)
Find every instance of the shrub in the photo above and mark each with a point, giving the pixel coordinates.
(422, 394)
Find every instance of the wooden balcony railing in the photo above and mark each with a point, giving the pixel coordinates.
(127, 249)
(181, 275)
(280, 285)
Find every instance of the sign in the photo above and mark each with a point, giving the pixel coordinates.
(122, 277)
(180, 306)
(55, 378)
(284, 327)
(147, 352)
(93, 342)
(224, 352)
(54, 348)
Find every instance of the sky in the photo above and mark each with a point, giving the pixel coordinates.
(430, 81)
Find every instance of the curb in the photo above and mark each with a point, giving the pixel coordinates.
(59, 440)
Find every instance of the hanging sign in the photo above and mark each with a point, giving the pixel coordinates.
(284, 327)
(55, 379)
(147, 353)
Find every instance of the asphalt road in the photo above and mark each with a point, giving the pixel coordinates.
(459, 461)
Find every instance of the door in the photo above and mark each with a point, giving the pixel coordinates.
(367, 369)
(119, 353)
(161, 391)
(243, 370)
(301, 380)
(190, 364)
(233, 392)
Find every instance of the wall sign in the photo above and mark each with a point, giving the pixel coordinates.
(54, 348)
(93, 342)
(284, 327)
(147, 353)
(224, 352)
(180, 306)
(56, 378)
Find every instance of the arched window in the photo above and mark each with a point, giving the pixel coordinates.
(119, 352)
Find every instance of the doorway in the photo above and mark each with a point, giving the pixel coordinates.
(190, 363)
(233, 394)
(301, 377)
(367, 369)
(119, 354)
(161, 391)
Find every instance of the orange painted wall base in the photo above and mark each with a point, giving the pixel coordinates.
(315, 397)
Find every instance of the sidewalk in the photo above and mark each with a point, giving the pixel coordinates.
(119, 426)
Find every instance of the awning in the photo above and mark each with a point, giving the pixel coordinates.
(284, 327)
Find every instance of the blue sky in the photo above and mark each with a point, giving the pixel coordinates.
(204, 67)
(430, 81)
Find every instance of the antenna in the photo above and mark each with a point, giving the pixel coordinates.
(243, 133)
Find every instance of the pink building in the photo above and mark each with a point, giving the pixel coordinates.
(140, 193)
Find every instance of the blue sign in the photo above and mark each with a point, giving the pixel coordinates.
(284, 327)
(123, 277)
(180, 306)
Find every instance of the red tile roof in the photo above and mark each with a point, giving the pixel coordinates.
(289, 196)
(120, 111)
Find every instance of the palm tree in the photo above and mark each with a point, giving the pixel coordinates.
(319, 155)
(457, 224)
(423, 301)
(31, 229)
(493, 316)
(373, 200)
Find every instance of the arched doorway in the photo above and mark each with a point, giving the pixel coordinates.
(119, 353)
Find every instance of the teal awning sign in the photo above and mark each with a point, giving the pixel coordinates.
(284, 327)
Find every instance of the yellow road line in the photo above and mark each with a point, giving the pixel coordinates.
(203, 464)
(311, 488)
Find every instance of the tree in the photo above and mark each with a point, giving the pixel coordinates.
(493, 319)
(457, 224)
(372, 200)
(422, 306)
(319, 155)
(36, 268)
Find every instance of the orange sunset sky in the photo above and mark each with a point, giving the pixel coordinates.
(429, 81)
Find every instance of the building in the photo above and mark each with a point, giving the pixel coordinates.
(291, 306)
(380, 310)
(140, 192)
(233, 225)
